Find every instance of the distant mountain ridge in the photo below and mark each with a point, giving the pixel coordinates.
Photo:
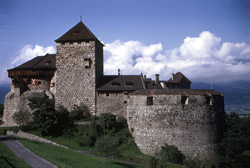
(236, 94)
(4, 89)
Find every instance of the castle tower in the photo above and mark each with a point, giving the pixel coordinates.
(79, 63)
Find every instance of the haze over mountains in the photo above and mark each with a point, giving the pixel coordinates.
(236, 94)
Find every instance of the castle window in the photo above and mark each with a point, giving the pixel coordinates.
(129, 84)
(184, 100)
(125, 102)
(107, 95)
(86, 63)
(48, 62)
(209, 100)
(115, 84)
(150, 101)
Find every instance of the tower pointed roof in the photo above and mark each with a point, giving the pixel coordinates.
(78, 33)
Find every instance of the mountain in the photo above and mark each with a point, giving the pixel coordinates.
(236, 94)
(4, 89)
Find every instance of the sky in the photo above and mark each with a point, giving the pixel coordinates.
(207, 40)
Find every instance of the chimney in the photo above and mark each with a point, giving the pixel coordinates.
(119, 72)
(145, 76)
(172, 76)
(157, 76)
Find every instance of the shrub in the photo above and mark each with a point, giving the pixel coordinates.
(170, 153)
(80, 112)
(22, 118)
(108, 145)
(196, 162)
(50, 121)
(2, 131)
(108, 122)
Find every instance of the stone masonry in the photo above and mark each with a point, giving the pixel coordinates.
(75, 82)
(194, 127)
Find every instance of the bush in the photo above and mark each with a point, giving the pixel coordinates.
(22, 118)
(108, 122)
(2, 131)
(196, 162)
(170, 153)
(50, 121)
(108, 145)
(80, 112)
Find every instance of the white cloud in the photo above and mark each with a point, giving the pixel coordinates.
(25, 54)
(203, 58)
(28, 52)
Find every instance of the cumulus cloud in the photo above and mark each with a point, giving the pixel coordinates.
(203, 58)
(28, 52)
(25, 54)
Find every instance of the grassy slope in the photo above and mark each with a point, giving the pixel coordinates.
(9, 160)
(67, 158)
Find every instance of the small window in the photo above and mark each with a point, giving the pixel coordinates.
(149, 101)
(209, 100)
(48, 62)
(125, 102)
(107, 95)
(126, 93)
(184, 100)
(129, 84)
(87, 63)
(115, 84)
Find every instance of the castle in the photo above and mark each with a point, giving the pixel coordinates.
(157, 111)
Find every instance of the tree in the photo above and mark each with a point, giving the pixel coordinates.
(50, 121)
(234, 141)
(23, 118)
(108, 122)
(108, 145)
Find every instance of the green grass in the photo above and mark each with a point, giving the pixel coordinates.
(9, 160)
(130, 151)
(246, 153)
(65, 158)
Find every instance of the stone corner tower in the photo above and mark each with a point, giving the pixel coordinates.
(79, 63)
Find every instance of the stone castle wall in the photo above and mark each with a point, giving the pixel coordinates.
(14, 103)
(194, 128)
(114, 103)
(75, 80)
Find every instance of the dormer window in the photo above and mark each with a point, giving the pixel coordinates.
(129, 84)
(48, 62)
(86, 63)
(115, 84)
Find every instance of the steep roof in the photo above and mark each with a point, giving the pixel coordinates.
(47, 62)
(178, 77)
(121, 83)
(78, 33)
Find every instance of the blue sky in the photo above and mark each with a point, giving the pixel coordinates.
(208, 40)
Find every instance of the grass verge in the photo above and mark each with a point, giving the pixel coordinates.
(9, 160)
(67, 158)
